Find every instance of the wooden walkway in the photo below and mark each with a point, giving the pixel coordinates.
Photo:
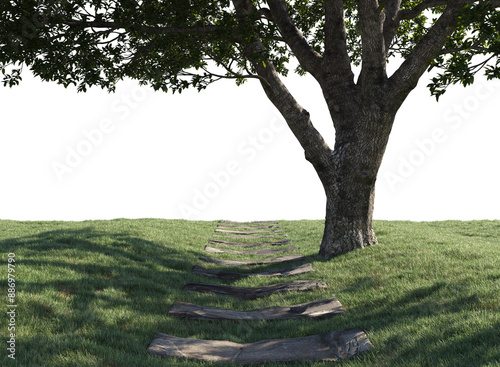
(332, 346)
(311, 310)
(229, 275)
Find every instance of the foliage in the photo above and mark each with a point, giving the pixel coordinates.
(473, 47)
(176, 44)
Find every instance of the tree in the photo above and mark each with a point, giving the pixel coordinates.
(177, 44)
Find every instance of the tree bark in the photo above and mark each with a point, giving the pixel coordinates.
(363, 123)
(348, 221)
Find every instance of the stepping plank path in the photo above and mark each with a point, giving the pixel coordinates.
(244, 233)
(245, 227)
(331, 346)
(278, 259)
(312, 310)
(223, 222)
(253, 237)
(255, 292)
(228, 275)
(261, 251)
(255, 244)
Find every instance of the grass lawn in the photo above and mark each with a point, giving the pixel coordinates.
(95, 293)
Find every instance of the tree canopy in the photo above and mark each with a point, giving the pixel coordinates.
(176, 44)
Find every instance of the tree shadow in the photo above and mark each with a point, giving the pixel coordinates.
(449, 341)
(68, 279)
(145, 277)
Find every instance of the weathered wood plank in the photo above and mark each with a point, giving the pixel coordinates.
(260, 251)
(243, 233)
(252, 237)
(255, 292)
(229, 275)
(332, 346)
(249, 223)
(247, 227)
(269, 260)
(254, 244)
(311, 310)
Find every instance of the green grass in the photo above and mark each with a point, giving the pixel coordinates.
(95, 293)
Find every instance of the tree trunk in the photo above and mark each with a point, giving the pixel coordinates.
(362, 133)
(362, 114)
(348, 222)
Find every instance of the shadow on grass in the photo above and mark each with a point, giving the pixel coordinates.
(101, 293)
(105, 312)
(445, 321)
(441, 333)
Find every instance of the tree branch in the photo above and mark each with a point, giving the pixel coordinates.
(293, 37)
(336, 60)
(427, 4)
(371, 21)
(417, 10)
(475, 68)
(220, 76)
(316, 149)
(405, 79)
(476, 46)
(200, 30)
(391, 23)
(448, 51)
(234, 74)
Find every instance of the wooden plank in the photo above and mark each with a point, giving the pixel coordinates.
(245, 223)
(228, 275)
(254, 244)
(332, 346)
(269, 260)
(252, 237)
(247, 227)
(311, 310)
(260, 251)
(255, 292)
(243, 233)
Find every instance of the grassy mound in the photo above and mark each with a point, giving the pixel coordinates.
(95, 293)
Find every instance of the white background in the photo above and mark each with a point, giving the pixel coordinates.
(224, 153)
